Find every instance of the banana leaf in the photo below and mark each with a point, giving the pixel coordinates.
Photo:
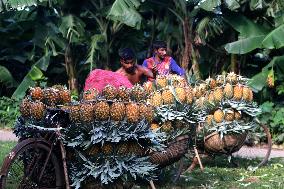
(274, 40)
(6, 77)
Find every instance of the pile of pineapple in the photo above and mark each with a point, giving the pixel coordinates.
(175, 104)
(228, 101)
(34, 105)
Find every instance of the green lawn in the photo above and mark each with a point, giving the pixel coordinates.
(5, 148)
(218, 174)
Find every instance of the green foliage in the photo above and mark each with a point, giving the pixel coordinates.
(6, 77)
(9, 111)
(273, 116)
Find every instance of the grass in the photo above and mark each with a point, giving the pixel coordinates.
(218, 173)
(5, 148)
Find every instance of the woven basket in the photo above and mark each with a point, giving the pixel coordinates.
(227, 145)
(175, 150)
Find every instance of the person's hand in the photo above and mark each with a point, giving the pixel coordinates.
(155, 69)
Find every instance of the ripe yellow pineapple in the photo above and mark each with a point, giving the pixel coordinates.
(218, 94)
(197, 92)
(74, 114)
(154, 127)
(138, 93)
(230, 115)
(238, 115)
(90, 94)
(117, 111)
(132, 112)
(181, 95)
(146, 112)
(250, 95)
(270, 81)
(220, 80)
(228, 90)
(238, 92)
(218, 116)
(86, 112)
(211, 97)
(246, 93)
(36, 93)
(107, 148)
(211, 83)
(161, 81)
(167, 96)
(189, 95)
(123, 94)
(109, 92)
(209, 119)
(25, 108)
(200, 102)
(167, 126)
(148, 87)
(37, 110)
(101, 110)
(232, 78)
(202, 88)
(156, 99)
(123, 148)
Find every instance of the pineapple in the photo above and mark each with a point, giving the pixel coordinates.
(146, 112)
(25, 108)
(94, 150)
(246, 93)
(109, 92)
(238, 92)
(107, 148)
(167, 126)
(209, 119)
(197, 92)
(101, 110)
(180, 93)
(90, 94)
(117, 111)
(238, 115)
(51, 96)
(232, 78)
(132, 112)
(218, 94)
(228, 90)
(200, 102)
(211, 83)
(148, 87)
(36, 93)
(229, 115)
(202, 88)
(211, 97)
(189, 95)
(156, 99)
(154, 127)
(218, 116)
(167, 96)
(123, 148)
(123, 94)
(250, 95)
(270, 81)
(86, 112)
(75, 113)
(37, 110)
(138, 93)
(161, 81)
(65, 96)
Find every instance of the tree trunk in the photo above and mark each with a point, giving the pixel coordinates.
(70, 69)
(186, 55)
(234, 63)
(195, 66)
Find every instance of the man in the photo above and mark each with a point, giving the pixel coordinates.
(130, 69)
(161, 63)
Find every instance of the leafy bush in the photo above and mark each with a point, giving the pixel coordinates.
(9, 111)
(273, 116)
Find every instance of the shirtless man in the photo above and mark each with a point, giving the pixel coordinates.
(130, 69)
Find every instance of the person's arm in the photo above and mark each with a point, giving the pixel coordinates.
(175, 68)
(152, 69)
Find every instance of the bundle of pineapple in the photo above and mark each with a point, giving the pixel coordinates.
(110, 133)
(175, 105)
(228, 101)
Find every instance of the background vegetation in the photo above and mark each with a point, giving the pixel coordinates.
(49, 42)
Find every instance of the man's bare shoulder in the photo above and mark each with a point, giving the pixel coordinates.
(120, 70)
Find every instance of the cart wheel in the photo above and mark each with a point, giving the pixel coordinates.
(31, 164)
(258, 153)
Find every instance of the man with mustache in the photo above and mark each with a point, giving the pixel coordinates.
(130, 69)
(160, 63)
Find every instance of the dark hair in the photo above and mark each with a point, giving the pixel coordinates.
(126, 54)
(159, 44)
